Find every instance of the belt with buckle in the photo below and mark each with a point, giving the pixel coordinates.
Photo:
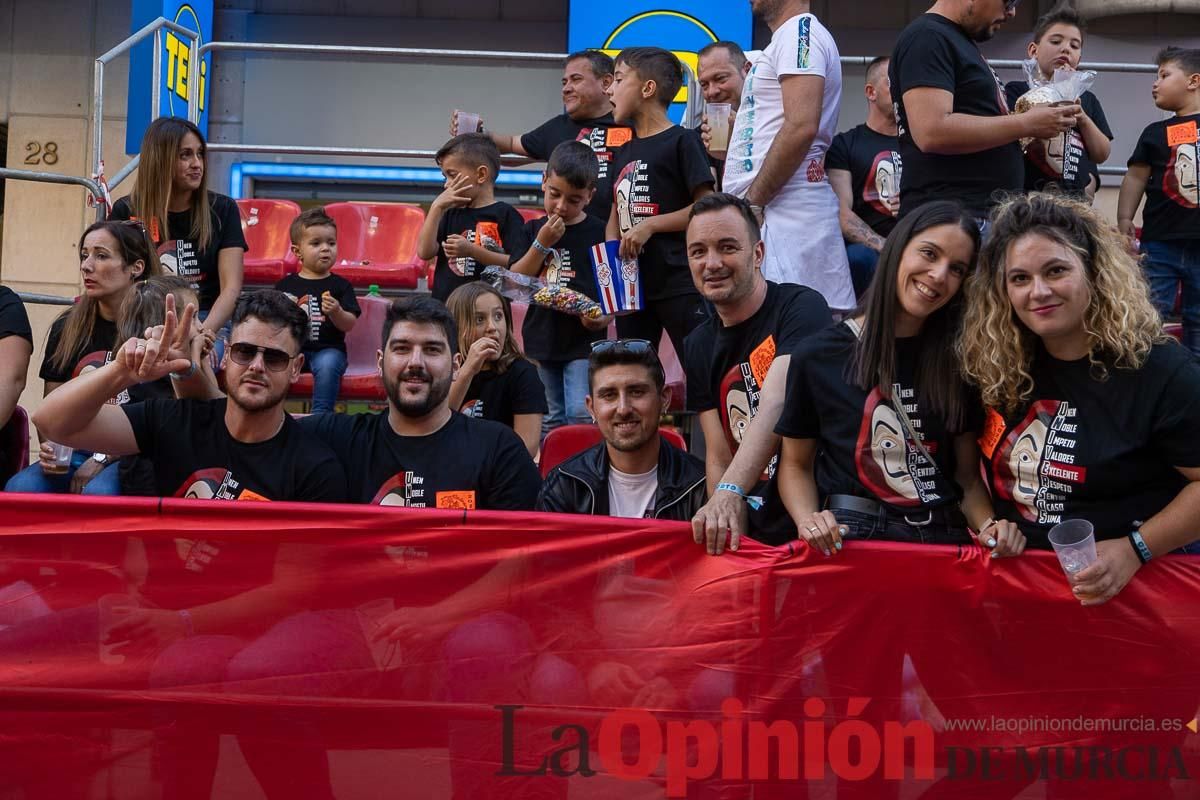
(861, 505)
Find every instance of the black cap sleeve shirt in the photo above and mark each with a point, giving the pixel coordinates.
(183, 256)
(603, 135)
(934, 52)
(497, 227)
(1063, 163)
(549, 335)
(863, 450)
(322, 333)
(13, 319)
(466, 464)
(92, 353)
(1170, 148)
(875, 167)
(655, 176)
(500, 396)
(1100, 450)
(727, 367)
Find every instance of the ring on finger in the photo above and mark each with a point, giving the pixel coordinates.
(812, 529)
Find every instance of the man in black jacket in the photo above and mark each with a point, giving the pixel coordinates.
(632, 473)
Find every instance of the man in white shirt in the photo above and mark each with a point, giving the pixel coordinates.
(786, 121)
(633, 473)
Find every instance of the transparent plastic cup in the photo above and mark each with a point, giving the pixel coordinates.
(718, 125)
(1074, 542)
(466, 123)
(62, 459)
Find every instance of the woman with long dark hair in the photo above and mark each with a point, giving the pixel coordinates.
(197, 233)
(878, 428)
(113, 258)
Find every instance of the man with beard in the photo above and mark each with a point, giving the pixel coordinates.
(737, 366)
(240, 447)
(633, 473)
(957, 138)
(420, 454)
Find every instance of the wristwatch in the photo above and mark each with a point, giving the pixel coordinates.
(100, 458)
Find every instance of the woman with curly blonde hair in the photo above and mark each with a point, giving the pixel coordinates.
(1093, 413)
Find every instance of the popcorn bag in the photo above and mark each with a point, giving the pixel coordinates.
(617, 280)
(534, 291)
(1067, 87)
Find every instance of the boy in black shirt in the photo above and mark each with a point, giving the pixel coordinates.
(243, 447)
(658, 176)
(327, 299)
(467, 229)
(421, 454)
(1165, 169)
(1065, 162)
(561, 243)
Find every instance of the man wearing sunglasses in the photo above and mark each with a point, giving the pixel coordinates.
(737, 367)
(240, 447)
(957, 138)
(632, 473)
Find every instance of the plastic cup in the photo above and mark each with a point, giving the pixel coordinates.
(1074, 542)
(113, 608)
(718, 125)
(466, 123)
(62, 459)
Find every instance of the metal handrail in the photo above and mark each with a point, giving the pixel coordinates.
(322, 150)
(45, 299)
(154, 28)
(53, 177)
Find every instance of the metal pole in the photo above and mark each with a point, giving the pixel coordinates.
(161, 22)
(45, 299)
(52, 177)
(98, 117)
(156, 76)
(193, 91)
(329, 49)
(317, 150)
(124, 172)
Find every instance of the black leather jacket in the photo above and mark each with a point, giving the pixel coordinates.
(579, 485)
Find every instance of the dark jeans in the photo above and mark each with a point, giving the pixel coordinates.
(678, 315)
(894, 529)
(1168, 266)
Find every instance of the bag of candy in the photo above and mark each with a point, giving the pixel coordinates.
(535, 291)
(1067, 86)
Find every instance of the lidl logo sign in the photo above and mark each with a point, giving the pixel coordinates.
(682, 27)
(196, 15)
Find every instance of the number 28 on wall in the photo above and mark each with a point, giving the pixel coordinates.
(41, 153)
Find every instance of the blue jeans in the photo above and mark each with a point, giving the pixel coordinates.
(869, 526)
(328, 365)
(566, 385)
(863, 261)
(1169, 264)
(34, 481)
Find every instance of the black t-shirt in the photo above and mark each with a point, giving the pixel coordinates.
(501, 396)
(1170, 148)
(196, 456)
(933, 52)
(655, 176)
(716, 165)
(13, 319)
(322, 333)
(468, 463)
(94, 352)
(498, 227)
(1062, 162)
(1104, 451)
(863, 450)
(726, 368)
(603, 135)
(873, 161)
(190, 259)
(550, 335)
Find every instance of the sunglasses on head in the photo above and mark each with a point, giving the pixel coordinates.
(275, 360)
(637, 346)
(1011, 5)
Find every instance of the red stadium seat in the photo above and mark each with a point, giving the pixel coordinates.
(265, 225)
(1174, 329)
(562, 443)
(518, 321)
(528, 214)
(377, 243)
(361, 381)
(14, 445)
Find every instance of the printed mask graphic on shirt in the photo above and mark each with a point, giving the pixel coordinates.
(472, 408)
(603, 141)
(891, 467)
(406, 489)
(215, 483)
(740, 392)
(487, 236)
(632, 195)
(1034, 466)
(882, 188)
(1058, 157)
(1181, 181)
(310, 304)
(557, 267)
(179, 257)
(196, 554)
(94, 361)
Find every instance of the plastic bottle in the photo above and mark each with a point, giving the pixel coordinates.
(373, 290)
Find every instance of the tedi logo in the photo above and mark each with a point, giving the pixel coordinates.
(679, 32)
(178, 55)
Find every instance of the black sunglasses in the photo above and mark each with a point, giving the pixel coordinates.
(1011, 5)
(636, 346)
(244, 354)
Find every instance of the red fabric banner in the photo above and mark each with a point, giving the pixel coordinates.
(185, 649)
